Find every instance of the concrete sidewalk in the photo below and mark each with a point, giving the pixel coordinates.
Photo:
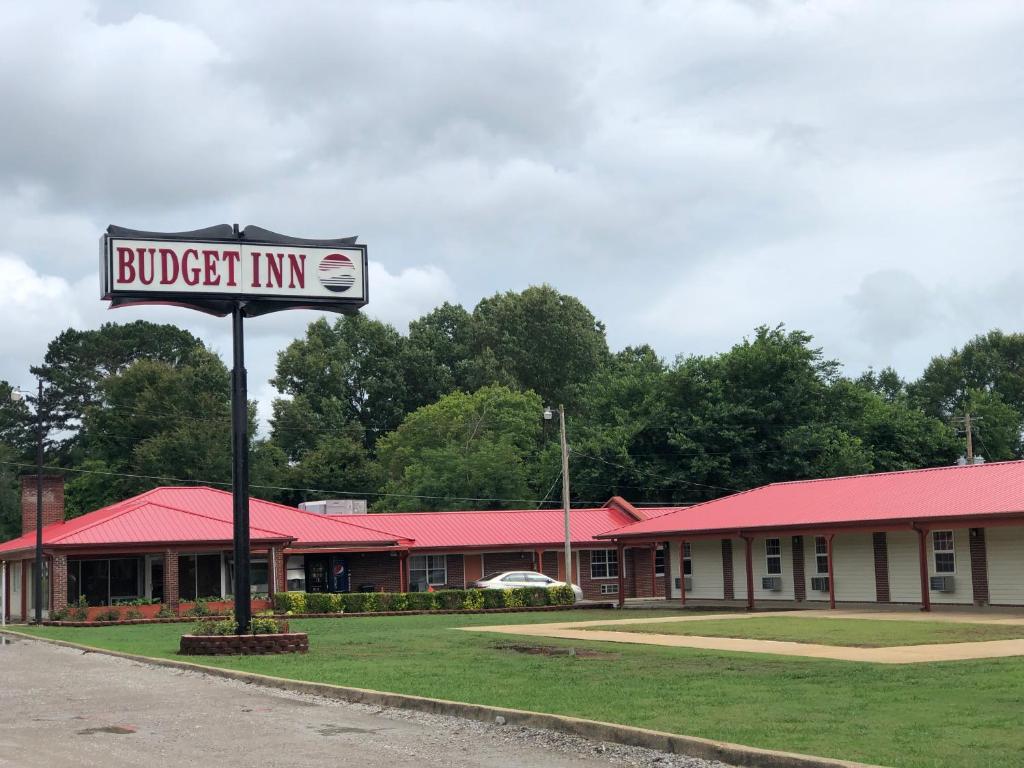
(906, 654)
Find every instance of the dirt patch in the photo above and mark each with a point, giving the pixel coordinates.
(555, 650)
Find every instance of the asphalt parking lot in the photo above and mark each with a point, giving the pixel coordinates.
(64, 707)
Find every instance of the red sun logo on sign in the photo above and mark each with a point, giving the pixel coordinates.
(337, 272)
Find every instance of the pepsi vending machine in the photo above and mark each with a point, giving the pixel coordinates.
(339, 574)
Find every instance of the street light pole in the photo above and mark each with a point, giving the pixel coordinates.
(565, 495)
(38, 584)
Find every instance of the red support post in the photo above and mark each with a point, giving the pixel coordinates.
(682, 572)
(750, 571)
(622, 575)
(831, 572)
(538, 557)
(922, 552)
(403, 571)
(654, 569)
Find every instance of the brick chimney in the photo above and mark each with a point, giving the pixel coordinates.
(53, 501)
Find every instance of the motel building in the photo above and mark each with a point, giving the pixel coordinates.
(950, 535)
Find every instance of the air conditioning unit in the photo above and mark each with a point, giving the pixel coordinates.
(819, 583)
(771, 583)
(942, 584)
(688, 581)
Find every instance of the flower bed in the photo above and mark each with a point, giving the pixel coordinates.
(244, 645)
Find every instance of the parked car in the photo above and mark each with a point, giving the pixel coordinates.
(513, 579)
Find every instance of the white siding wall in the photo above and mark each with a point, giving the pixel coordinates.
(739, 572)
(1005, 565)
(706, 564)
(853, 560)
(761, 570)
(810, 571)
(905, 574)
(14, 578)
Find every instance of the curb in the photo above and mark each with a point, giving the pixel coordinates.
(691, 746)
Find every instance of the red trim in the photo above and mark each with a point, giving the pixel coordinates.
(750, 571)
(682, 572)
(922, 552)
(831, 572)
(622, 575)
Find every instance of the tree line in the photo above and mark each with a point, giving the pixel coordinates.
(449, 415)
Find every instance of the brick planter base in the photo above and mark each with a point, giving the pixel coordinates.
(243, 645)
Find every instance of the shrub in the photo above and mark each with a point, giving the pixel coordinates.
(61, 614)
(514, 598)
(133, 613)
(79, 610)
(534, 596)
(215, 627)
(562, 595)
(494, 598)
(321, 602)
(201, 607)
(136, 601)
(361, 602)
(264, 624)
(111, 614)
(290, 602)
(449, 599)
(392, 601)
(473, 599)
(421, 601)
(165, 612)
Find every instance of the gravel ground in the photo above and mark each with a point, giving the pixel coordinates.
(63, 707)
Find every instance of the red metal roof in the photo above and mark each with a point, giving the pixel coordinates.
(980, 490)
(500, 528)
(193, 515)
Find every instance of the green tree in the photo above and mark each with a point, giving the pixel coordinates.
(439, 352)
(482, 446)
(538, 339)
(155, 420)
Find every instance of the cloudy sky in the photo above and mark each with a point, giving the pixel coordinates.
(688, 169)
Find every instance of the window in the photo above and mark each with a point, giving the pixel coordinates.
(427, 571)
(296, 578)
(659, 561)
(609, 589)
(198, 576)
(105, 582)
(687, 563)
(821, 556)
(942, 545)
(259, 576)
(604, 564)
(773, 556)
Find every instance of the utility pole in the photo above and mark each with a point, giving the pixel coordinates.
(967, 420)
(565, 495)
(38, 585)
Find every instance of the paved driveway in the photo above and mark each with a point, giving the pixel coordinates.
(62, 707)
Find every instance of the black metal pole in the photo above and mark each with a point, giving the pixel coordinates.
(240, 473)
(38, 585)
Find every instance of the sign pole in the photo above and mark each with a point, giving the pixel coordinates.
(240, 472)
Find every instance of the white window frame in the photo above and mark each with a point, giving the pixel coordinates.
(687, 559)
(769, 557)
(610, 589)
(610, 558)
(661, 553)
(951, 551)
(820, 552)
(428, 568)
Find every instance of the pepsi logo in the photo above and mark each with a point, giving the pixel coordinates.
(337, 272)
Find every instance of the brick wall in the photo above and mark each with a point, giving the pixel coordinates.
(53, 501)
(880, 544)
(979, 566)
(729, 590)
(495, 562)
(58, 582)
(642, 560)
(799, 578)
(171, 579)
(456, 571)
(377, 568)
(592, 587)
(280, 570)
(550, 563)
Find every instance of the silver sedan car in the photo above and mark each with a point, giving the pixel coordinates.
(514, 579)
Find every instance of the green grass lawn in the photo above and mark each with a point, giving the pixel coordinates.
(966, 714)
(862, 633)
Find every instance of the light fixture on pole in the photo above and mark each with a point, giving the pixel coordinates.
(548, 416)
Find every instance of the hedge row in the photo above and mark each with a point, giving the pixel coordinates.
(442, 600)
